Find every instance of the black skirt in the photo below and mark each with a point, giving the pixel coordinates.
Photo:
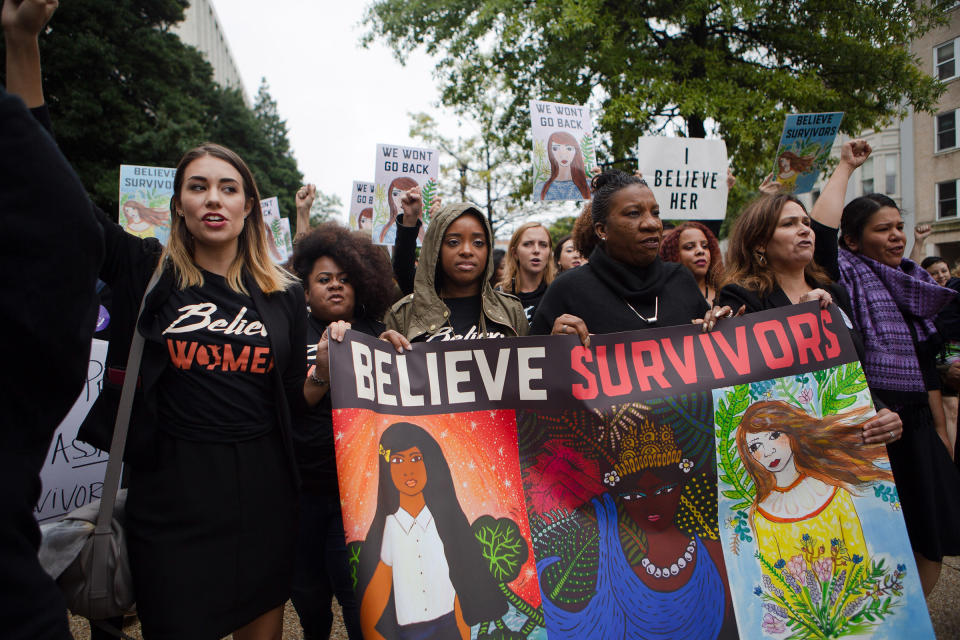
(211, 535)
(928, 485)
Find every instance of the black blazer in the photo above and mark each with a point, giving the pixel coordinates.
(129, 264)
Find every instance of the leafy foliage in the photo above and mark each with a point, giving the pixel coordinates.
(123, 89)
(353, 561)
(502, 545)
(733, 69)
(727, 417)
(841, 389)
(574, 539)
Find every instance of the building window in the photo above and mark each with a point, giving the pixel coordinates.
(866, 178)
(947, 199)
(945, 60)
(890, 174)
(947, 131)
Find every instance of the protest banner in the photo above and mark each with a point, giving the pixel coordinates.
(564, 151)
(361, 206)
(73, 473)
(145, 194)
(615, 451)
(398, 169)
(287, 236)
(804, 149)
(273, 224)
(688, 176)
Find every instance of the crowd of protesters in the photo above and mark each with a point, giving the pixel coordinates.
(233, 503)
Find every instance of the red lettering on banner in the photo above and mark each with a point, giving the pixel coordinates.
(833, 344)
(579, 356)
(654, 369)
(623, 374)
(715, 367)
(806, 343)
(686, 367)
(761, 330)
(740, 359)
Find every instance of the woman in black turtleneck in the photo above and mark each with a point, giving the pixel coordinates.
(625, 286)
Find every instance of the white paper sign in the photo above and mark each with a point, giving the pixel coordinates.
(361, 206)
(274, 229)
(145, 200)
(398, 169)
(688, 176)
(73, 473)
(564, 151)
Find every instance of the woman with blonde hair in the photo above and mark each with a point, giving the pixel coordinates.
(528, 268)
(211, 507)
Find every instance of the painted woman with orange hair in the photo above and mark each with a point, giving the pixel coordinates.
(804, 470)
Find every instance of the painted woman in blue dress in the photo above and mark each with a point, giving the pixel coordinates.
(677, 588)
(568, 175)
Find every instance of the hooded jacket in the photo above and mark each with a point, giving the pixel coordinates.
(423, 312)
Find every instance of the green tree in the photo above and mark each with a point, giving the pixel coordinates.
(122, 88)
(561, 227)
(731, 68)
(325, 207)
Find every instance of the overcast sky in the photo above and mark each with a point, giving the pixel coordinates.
(339, 99)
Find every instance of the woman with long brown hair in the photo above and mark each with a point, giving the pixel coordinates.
(395, 193)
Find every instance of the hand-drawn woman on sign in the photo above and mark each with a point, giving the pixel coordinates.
(660, 564)
(790, 166)
(142, 221)
(568, 177)
(422, 573)
(394, 195)
(365, 220)
(804, 469)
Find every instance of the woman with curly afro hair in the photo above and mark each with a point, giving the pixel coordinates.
(348, 284)
(693, 245)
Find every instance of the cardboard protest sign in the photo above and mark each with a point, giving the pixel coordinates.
(273, 224)
(145, 194)
(287, 236)
(811, 514)
(804, 149)
(688, 176)
(361, 206)
(398, 169)
(564, 151)
(73, 473)
(615, 451)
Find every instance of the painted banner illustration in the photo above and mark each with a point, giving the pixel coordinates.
(398, 169)
(361, 206)
(578, 487)
(145, 201)
(804, 149)
(73, 473)
(564, 151)
(688, 176)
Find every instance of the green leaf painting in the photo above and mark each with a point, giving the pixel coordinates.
(429, 193)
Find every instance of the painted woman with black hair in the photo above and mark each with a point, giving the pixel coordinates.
(348, 285)
(422, 573)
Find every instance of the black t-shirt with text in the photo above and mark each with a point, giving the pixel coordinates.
(217, 384)
(464, 322)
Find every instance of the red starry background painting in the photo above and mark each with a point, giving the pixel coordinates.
(481, 449)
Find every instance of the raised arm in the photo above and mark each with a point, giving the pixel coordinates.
(829, 206)
(23, 20)
(305, 197)
(919, 251)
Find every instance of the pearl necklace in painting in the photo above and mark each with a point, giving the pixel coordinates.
(676, 567)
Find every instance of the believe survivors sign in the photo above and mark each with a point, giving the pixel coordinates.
(531, 486)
